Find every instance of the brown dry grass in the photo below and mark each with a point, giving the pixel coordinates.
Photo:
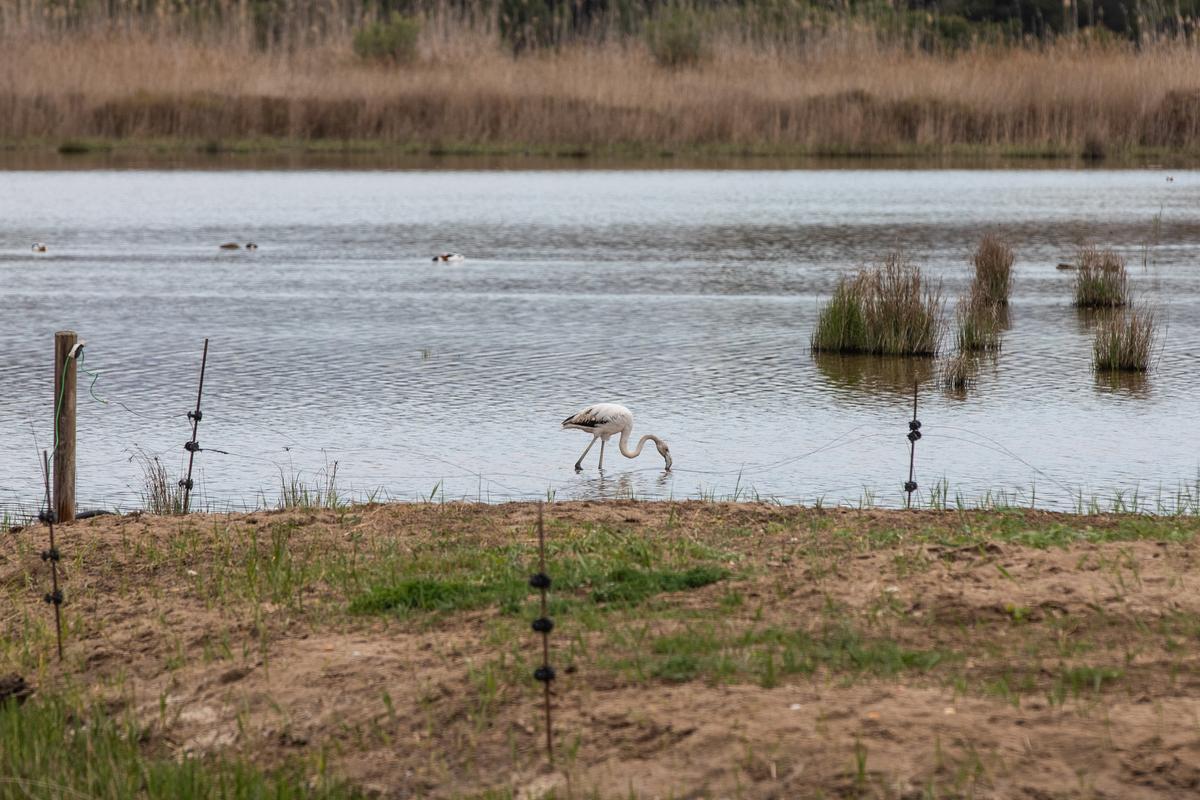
(841, 92)
(1060, 646)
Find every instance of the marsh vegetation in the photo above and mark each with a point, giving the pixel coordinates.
(649, 78)
(890, 308)
(1101, 279)
(1124, 340)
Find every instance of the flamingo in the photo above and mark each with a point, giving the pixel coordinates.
(449, 257)
(602, 421)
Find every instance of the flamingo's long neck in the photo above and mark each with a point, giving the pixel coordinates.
(624, 443)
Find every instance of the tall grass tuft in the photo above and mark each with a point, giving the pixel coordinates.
(980, 323)
(160, 494)
(295, 492)
(888, 309)
(1101, 280)
(1124, 341)
(993, 262)
(958, 373)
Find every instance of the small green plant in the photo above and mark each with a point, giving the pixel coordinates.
(1101, 280)
(160, 494)
(1124, 341)
(993, 260)
(889, 309)
(676, 39)
(393, 41)
(294, 492)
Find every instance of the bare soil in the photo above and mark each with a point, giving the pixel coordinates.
(1067, 666)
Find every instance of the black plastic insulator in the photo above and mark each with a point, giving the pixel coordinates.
(47, 516)
(186, 483)
(51, 555)
(544, 673)
(55, 597)
(915, 425)
(910, 486)
(914, 435)
(192, 447)
(543, 625)
(196, 415)
(540, 581)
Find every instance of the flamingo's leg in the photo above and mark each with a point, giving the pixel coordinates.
(579, 463)
(602, 443)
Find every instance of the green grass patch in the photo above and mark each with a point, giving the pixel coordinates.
(598, 567)
(632, 585)
(421, 594)
(722, 653)
(50, 748)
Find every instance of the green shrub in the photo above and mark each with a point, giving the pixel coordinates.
(529, 24)
(676, 39)
(394, 40)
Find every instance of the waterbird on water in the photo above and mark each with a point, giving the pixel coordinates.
(602, 421)
(449, 257)
(38, 247)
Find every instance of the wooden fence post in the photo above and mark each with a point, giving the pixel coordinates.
(64, 425)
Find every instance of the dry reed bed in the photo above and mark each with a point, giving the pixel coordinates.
(465, 90)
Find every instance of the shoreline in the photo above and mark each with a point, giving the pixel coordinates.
(282, 153)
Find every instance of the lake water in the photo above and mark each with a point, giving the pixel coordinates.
(688, 296)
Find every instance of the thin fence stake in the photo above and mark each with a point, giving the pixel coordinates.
(193, 447)
(914, 433)
(55, 597)
(543, 625)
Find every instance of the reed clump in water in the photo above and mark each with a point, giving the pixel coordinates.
(993, 260)
(958, 373)
(888, 309)
(1124, 341)
(1101, 280)
(980, 323)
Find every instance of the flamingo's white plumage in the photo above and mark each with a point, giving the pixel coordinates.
(605, 419)
(449, 257)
